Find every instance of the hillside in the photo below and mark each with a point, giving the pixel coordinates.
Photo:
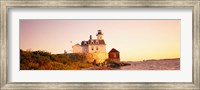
(41, 60)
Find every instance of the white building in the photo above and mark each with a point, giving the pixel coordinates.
(92, 45)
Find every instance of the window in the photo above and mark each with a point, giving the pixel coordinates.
(92, 48)
(92, 42)
(97, 48)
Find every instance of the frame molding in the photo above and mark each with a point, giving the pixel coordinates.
(7, 4)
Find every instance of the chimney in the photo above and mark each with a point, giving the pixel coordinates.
(90, 37)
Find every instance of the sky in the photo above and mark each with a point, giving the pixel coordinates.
(135, 39)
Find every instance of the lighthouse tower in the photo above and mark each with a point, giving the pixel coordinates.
(99, 35)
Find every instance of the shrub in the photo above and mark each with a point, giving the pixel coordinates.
(41, 60)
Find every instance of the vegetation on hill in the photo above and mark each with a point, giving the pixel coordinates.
(41, 60)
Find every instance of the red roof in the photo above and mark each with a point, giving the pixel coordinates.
(113, 50)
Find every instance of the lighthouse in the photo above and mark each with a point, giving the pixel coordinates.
(99, 35)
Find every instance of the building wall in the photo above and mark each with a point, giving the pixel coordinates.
(96, 48)
(102, 48)
(88, 49)
(85, 49)
(77, 49)
(114, 56)
(100, 57)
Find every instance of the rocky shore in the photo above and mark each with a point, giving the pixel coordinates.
(163, 64)
(108, 66)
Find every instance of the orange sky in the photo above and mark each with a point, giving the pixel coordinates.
(135, 39)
